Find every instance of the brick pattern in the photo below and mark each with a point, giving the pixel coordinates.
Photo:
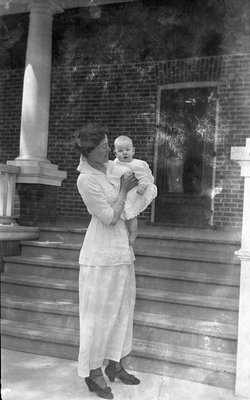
(124, 98)
(11, 84)
(37, 204)
(234, 128)
(189, 70)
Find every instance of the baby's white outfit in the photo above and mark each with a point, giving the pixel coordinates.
(136, 203)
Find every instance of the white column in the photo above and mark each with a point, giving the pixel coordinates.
(36, 87)
(242, 156)
(35, 167)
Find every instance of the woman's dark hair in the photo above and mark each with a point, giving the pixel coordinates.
(88, 137)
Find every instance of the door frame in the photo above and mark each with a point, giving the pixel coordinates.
(186, 85)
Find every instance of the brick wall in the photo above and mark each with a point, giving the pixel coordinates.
(234, 128)
(11, 83)
(124, 98)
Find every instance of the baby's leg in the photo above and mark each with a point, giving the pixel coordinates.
(132, 225)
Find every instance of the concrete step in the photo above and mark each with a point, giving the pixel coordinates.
(186, 275)
(148, 237)
(40, 288)
(168, 329)
(186, 243)
(155, 277)
(68, 235)
(202, 301)
(161, 321)
(183, 372)
(70, 251)
(191, 254)
(61, 250)
(42, 266)
(184, 355)
(153, 327)
(146, 360)
(59, 314)
(219, 309)
(198, 327)
(185, 322)
(179, 263)
(38, 339)
(207, 284)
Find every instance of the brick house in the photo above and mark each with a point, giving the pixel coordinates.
(200, 188)
(127, 99)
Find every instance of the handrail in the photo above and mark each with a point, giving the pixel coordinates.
(7, 193)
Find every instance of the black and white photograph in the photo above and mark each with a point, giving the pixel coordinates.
(125, 199)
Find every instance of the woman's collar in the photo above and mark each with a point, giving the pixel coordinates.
(85, 167)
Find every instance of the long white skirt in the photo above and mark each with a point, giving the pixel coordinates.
(106, 305)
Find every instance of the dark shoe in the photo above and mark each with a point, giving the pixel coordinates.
(117, 371)
(103, 393)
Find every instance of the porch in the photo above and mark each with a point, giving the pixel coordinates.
(187, 304)
(185, 324)
(41, 377)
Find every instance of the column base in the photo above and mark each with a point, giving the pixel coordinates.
(8, 220)
(38, 172)
(37, 204)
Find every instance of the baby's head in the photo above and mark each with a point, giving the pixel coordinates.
(124, 149)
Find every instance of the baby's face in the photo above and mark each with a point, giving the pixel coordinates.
(124, 151)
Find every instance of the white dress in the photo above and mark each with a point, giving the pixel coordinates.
(107, 278)
(136, 203)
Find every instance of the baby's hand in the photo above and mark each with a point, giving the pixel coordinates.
(141, 189)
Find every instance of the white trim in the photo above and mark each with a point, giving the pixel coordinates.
(152, 216)
(215, 158)
(186, 85)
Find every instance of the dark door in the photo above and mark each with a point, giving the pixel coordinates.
(185, 156)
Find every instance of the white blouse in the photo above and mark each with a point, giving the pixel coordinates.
(104, 244)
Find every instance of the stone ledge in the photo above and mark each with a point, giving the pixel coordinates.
(38, 172)
(16, 232)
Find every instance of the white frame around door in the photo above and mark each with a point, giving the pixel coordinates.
(186, 85)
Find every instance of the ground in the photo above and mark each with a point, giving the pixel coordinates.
(33, 377)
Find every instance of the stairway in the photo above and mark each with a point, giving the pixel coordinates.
(185, 322)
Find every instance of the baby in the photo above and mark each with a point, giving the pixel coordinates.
(140, 197)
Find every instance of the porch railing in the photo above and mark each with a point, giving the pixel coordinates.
(8, 175)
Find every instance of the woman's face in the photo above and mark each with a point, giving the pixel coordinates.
(101, 153)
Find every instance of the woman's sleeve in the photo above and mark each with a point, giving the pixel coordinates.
(94, 199)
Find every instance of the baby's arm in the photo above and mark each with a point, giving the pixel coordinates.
(141, 189)
(144, 175)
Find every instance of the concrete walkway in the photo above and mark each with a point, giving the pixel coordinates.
(32, 377)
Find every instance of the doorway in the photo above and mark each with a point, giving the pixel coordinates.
(184, 164)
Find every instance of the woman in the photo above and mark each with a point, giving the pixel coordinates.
(107, 278)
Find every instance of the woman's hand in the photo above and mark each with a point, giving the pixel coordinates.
(128, 182)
